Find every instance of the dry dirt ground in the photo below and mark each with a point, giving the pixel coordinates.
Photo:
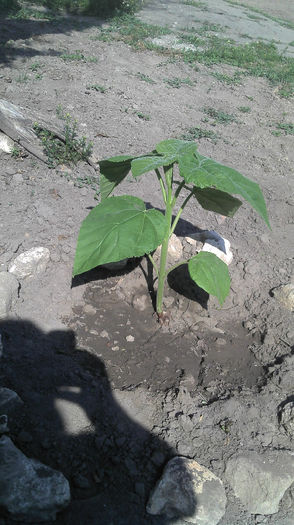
(105, 410)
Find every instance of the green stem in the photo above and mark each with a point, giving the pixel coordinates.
(163, 190)
(179, 213)
(153, 264)
(164, 247)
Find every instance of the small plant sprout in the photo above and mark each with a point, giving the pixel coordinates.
(121, 227)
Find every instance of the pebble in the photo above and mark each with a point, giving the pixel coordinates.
(140, 302)
(30, 263)
(17, 178)
(89, 309)
(104, 334)
(130, 338)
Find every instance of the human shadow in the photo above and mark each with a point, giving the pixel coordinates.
(32, 30)
(99, 438)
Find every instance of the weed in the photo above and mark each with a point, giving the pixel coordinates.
(72, 150)
(15, 152)
(35, 66)
(72, 57)
(227, 79)
(194, 3)
(176, 82)
(38, 76)
(22, 78)
(26, 13)
(142, 116)
(145, 78)
(121, 227)
(220, 117)
(287, 128)
(96, 87)
(244, 109)
(200, 133)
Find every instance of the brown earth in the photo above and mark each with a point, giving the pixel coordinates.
(66, 343)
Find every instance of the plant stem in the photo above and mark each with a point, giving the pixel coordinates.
(164, 246)
(163, 190)
(153, 263)
(175, 266)
(180, 212)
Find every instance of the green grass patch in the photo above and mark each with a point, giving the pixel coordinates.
(234, 80)
(197, 133)
(194, 3)
(219, 117)
(145, 78)
(142, 116)
(77, 56)
(244, 109)
(285, 128)
(96, 87)
(176, 82)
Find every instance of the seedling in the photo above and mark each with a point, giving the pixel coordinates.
(121, 227)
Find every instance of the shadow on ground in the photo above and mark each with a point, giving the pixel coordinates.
(79, 426)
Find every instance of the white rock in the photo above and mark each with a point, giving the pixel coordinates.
(260, 481)
(130, 338)
(29, 490)
(175, 249)
(188, 490)
(8, 292)
(6, 143)
(30, 263)
(285, 295)
(214, 243)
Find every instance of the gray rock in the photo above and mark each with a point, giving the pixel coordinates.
(285, 295)
(175, 249)
(6, 143)
(30, 491)
(30, 263)
(260, 481)
(9, 401)
(287, 417)
(140, 302)
(188, 490)
(8, 293)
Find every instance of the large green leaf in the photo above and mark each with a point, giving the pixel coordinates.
(144, 164)
(176, 147)
(217, 201)
(211, 274)
(204, 172)
(118, 228)
(112, 172)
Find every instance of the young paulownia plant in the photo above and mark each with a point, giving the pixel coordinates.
(122, 227)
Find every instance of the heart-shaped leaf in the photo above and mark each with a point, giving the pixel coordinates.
(112, 172)
(204, 172)
(217, 201)
(176, 147)
(211, 274)
(116, 229)
(144, 164)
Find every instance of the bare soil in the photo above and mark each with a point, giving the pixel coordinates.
(104, 409)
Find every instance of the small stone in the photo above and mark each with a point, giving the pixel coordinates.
(188, 490)
(285, 295)
(9, 401)
(220, 248)
(260, 481)
(9, 286)
(130, 338)
(104, 334)
(30, 263)
(89, 309)
(140, 302)
(287, 417)
(17, 178)
(29, 490)
(6, 143)
(175, 249)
